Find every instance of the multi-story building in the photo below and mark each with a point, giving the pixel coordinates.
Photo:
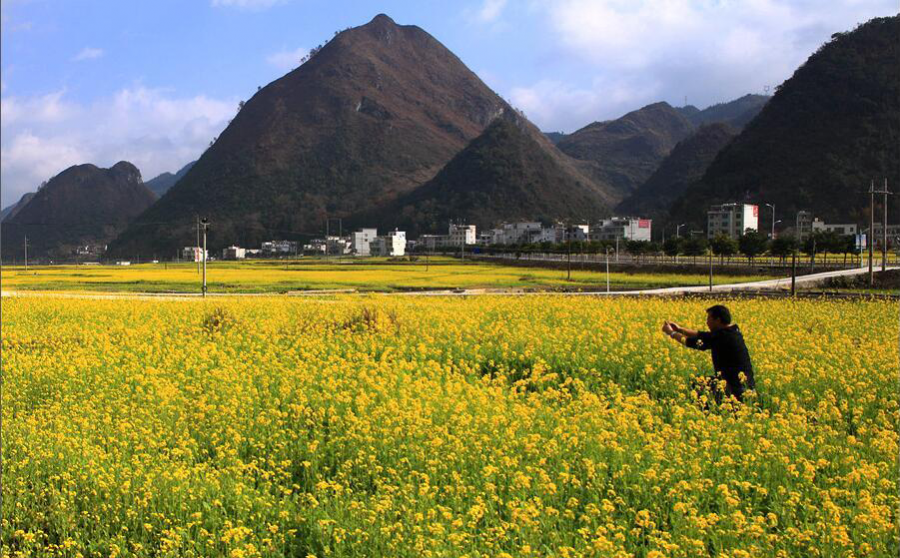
(461, 234)
(559, 233)
(279, 247)
(622, 228)
(893, 234)
(193, 254)
(234, 253)
(732, 219)
(392, 244)
(804, 224)
(843, 229)
(516, 233)
(361, 240)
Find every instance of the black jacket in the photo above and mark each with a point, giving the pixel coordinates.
(729, 355)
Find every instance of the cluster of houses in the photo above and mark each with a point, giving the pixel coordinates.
(734, 219)
(730, 219)
(367, 241)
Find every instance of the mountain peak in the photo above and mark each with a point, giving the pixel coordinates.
(373, 115)
(381, 19)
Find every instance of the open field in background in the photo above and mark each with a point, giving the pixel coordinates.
(369, 274)
(496, 426)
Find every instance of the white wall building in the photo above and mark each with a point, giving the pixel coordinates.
(361, 241)
(393, 244)
(234, 253)
(192, 254)
(279, 247)
(460, 234)
(838, 228)
(622, 228)
(516, 233)
(732, 219)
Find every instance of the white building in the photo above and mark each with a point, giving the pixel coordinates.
(515, 233)
(732, 219)
(622, 228)
(361, 241)
(234, 253)
(279, 247)
(462, 234)
(560, 233)
(393, 244)
(838, 228)
(804, 224)
(192, 254)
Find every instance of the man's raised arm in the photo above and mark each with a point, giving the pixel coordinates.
(678, 333)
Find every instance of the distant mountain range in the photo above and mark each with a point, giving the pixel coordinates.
(510, 172)
(161, 184)
(384, 126)
(378, 111)
(736, 113)
(11, 210)
(683, 166)
(83, 205)
(826, 133)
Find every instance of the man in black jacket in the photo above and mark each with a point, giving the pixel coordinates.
(729, 352)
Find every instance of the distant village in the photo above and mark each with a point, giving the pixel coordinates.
(731, 221)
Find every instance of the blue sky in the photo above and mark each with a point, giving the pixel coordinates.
(153, 82)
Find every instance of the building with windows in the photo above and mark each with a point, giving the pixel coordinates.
(525, 232)
(622, 228)
(234, 253)
(193, 254)
(843, 229)
(459, 235)
(279, 247)
(361, 241)
(392, 244)
(804, 224)
(732, 219)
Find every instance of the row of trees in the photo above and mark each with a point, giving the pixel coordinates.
(750, 245)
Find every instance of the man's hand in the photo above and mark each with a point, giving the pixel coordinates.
(667, 328)
(675, 327)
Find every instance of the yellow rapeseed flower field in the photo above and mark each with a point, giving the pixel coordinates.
(364, 274)
(488, 427)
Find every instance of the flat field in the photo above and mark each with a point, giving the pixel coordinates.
(496, 426)
(371, 274)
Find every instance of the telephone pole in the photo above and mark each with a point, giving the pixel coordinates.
(198, 243)
(205, 223)
(884, 235)
(26, 253)
(871, 236)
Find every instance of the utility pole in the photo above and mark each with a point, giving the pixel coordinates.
(870, 237)
(793, 272)
(772, 205)
(568, 252)
(608, 248)
(710, 271)
(26, 253)
(205, 223)
(198, 243)
(884, 230)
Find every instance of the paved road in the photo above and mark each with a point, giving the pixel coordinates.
(767, 285)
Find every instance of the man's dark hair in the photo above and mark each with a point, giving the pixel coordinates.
(720, 313)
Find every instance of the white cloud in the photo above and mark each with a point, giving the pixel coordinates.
(285, 60)
(559, 106)
(88, 53)
(151, 128)
(246, 4)
(707, 50)
(490, 10)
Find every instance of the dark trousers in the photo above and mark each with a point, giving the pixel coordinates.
(711, 386)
